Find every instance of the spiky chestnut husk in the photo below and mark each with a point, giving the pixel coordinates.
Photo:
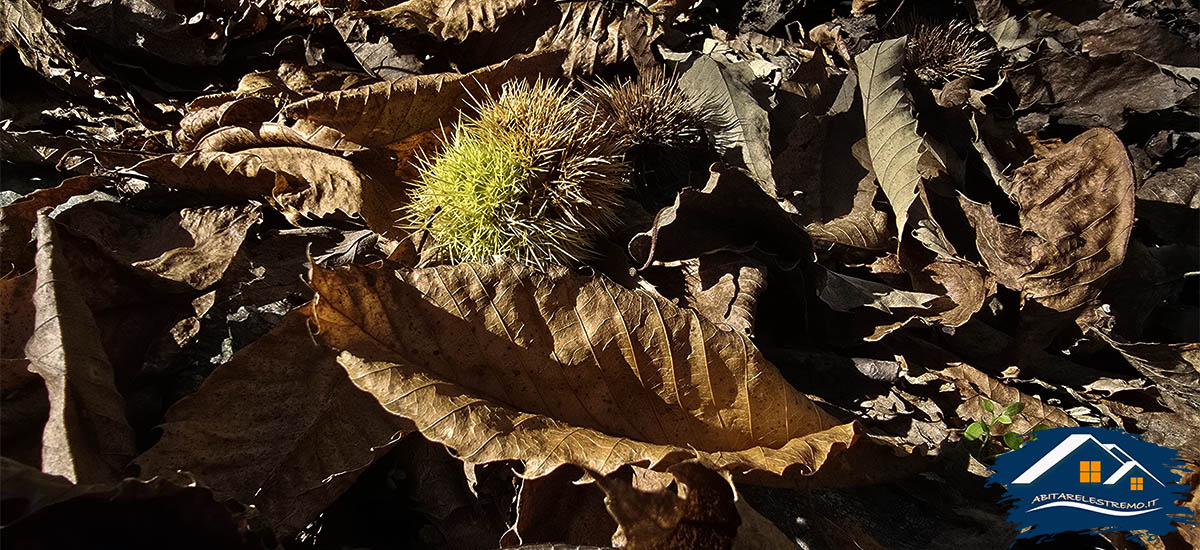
(651, 110)
(939, 53)
(536, 177)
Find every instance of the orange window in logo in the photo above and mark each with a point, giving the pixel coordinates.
(1089, 471)
(1135, 484)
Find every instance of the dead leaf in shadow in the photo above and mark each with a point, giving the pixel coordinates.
(973, 384)
(382, 51)
(17, 220)
(1076, 214)
(43, 46)
(730, 213)
(846, 293)
(87, 438)
(278, 426)
(1096, 91)
(863, 227)
(565, 369)
(194, 246)
(439, 490)
(127, 514)
(554, 508)
(596, 34)
(380, 114)
(301, 182)
(697, 513)
(723, 287)
(739, 125)
(1120, 31)
(1168, 200)
(447, 19)
(244, 111)
(23, 405)
(1174, 368)
(961, 288)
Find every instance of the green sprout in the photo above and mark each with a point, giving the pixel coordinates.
(1011, 441)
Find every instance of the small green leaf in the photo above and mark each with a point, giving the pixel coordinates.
(1014, 409)
(975, 430)
(1004, 419)
(1012, 441)
(1040, 427)
(987, 405)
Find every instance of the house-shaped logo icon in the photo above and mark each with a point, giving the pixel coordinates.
(1092, 479)
(1095, 458)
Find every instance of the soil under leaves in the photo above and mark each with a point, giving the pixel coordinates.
(218, 331)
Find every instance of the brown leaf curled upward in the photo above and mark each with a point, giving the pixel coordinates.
(1076, 213)
(500, 362)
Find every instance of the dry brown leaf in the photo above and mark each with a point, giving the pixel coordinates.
(1174, 368)
(501, 362)
(23, 404)
(216, 236)
(1076, 213)
(598, 33)
(194, 246)
(86, 438)
(1081, 90)
(318, 185)
(302, 182)
(556, 508)
(448, 19)
(731, 212)
(278, 426)
(698, 513)
(378, 115)
(724, 287)
(17, 220)
(302, 133)
(217, 176)
(244, 111)
(863, 227)
(963, 286)
(859, 7)
(973, 384)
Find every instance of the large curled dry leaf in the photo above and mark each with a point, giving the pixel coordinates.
(278, 426)
(1076, 214)
(500, 362)
(892, 136)
(87, 438)
(378, 115)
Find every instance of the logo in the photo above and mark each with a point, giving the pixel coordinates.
(1092, 479)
